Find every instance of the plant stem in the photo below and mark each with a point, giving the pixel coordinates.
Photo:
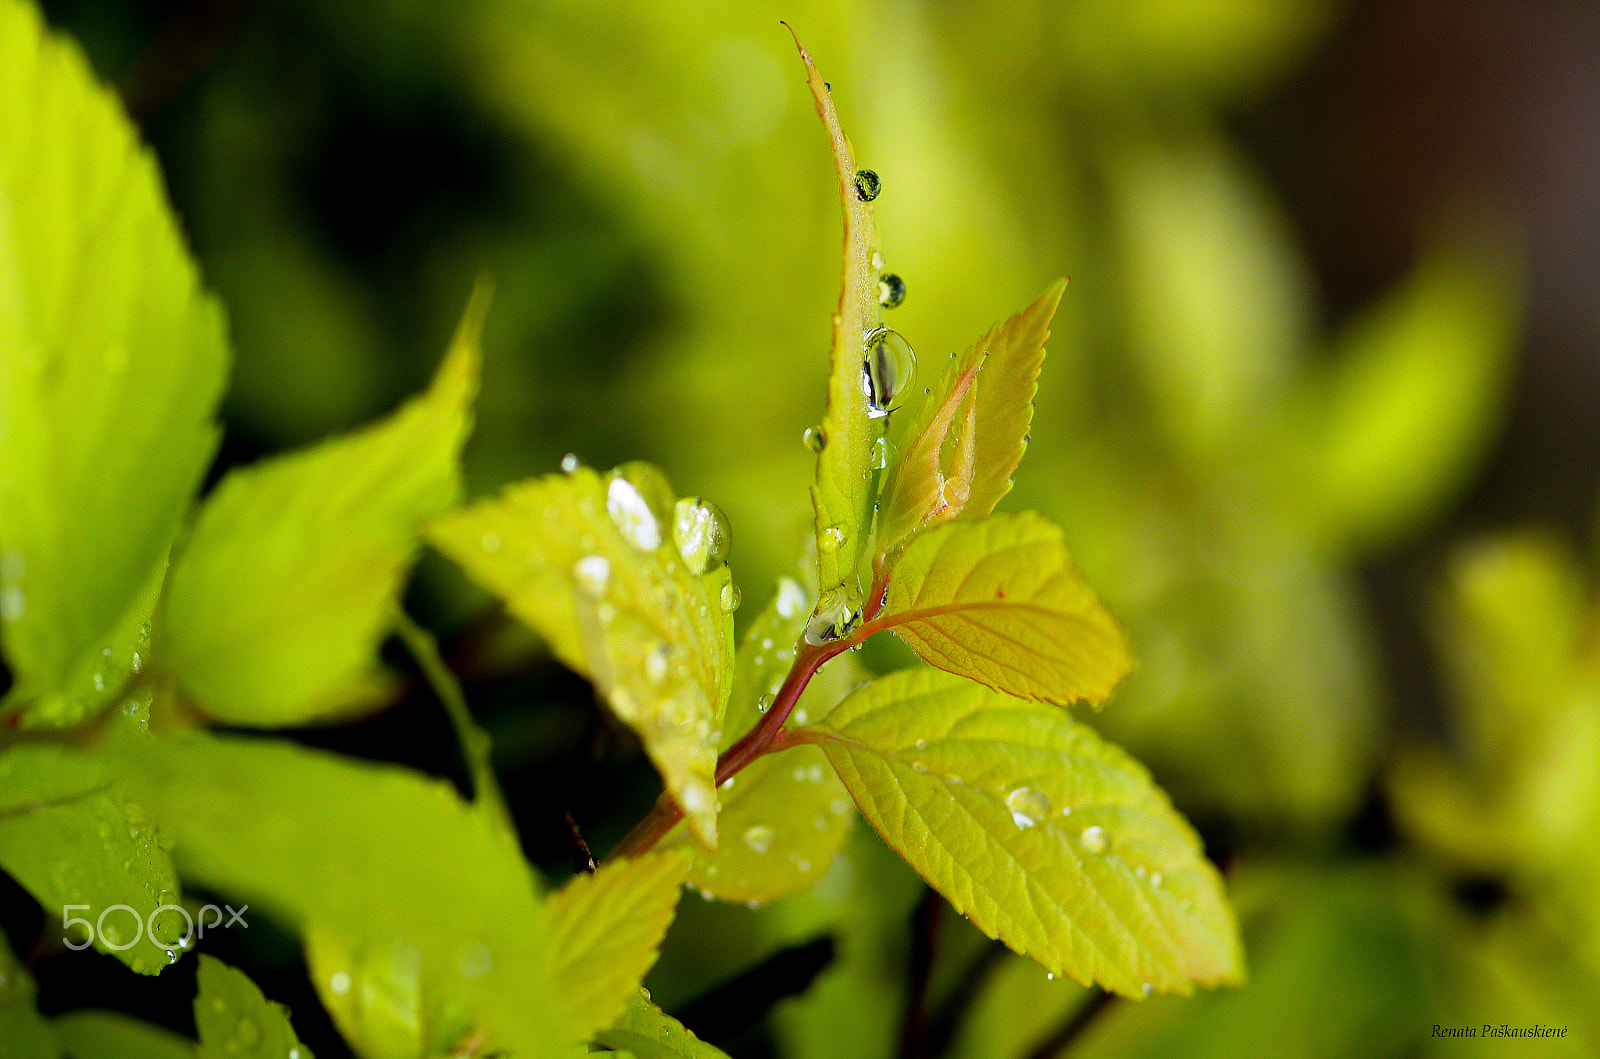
(761, 739)
(474, 740)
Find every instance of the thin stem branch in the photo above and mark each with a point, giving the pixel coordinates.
(1070, 1030)
(474, 740)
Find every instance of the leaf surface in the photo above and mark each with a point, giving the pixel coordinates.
(71, 835)
(1043, 835)
(113, 1035)
(25, 1033)
(969, 440)
(1000, 601)
(234, 1018)
(606, 930)
(276, 607)
(112, 360)
(654, 636)
(647, 1032)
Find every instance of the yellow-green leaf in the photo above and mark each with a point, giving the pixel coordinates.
(75, 839)
(233, 1017)
(1046, 837)
(24, 1034)
(422, 922)
(784, 816)
(647, 1032)
(999, 601)
(606, 929)
(112, 360)
(276, 606)
(590, 563)
(113, 1035)
(842, 494)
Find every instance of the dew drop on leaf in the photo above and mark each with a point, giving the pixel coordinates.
(834, 618)
(656, 663)
(639, 501)
(887, 370)
(700, 531)
(1094, 839)
(832, 538)
(490, 542)
(593, 572)
(1147, 989)
(815, 439)
(867, 185)
(569, 462)
(1027, 806)
(891, 290)
(758, 837)
(339, 983)
(729, 598)
(883, 451)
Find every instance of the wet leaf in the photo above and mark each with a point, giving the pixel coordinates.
(647, 1032)
(112, 360)
(606, 929)
(233, 1018)
(999, 601)
(72, 836)
(654, 636)
(1043, 835)
(276, 606)
(973, 432)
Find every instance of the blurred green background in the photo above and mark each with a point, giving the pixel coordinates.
(1319, 417)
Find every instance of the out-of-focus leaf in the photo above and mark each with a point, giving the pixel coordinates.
(279, 600)
(986, 403)
(1215, 294)
(1409, 404)
(111, 363)
(73, 836)
(113, 1035)
(418, 932)
(605, 930)
(1046, 837)
(22, 1032)
(647, 1032)
(842, 494)
(590, 563)
(234, 1018)
(999, 601)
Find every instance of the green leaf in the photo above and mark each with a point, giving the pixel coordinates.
(842, 495)
(72, 836)
(418, 932)
(234, 1018)
(591, 564)
(112, 360)
(969, 440)
(1044, 836)
(113, 1035)
(999, 601)
(784, 815)
(277, 605)
(606, 929)
(650, 1033)
(23, 1033)
(1408, 406)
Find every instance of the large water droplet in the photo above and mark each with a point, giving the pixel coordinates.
(729, 598)
(593, 572)
(700, 530)
(1094, 839)
(886, 371)
(791, 599)
(1027, 806)
(640, 502)
(815, 439)
(758, 837)
(832, 537)
(883, 451)
(891, 290)
(834, 618)
(867, 185)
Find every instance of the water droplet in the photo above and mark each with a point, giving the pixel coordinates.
(883, 452)
(886, 371)
(490, 542)
(815, 439)
(1027, 806)
(819, 822)
(1139, 870)
(639, 501)
(296, 1053)
(700, 530)
(593, 572)
(99, 682)
(339, 984)
(832, 537)
(802, 715)
(891, 290)
(763, 704)
(138, 662)
(569, 462)
(1155, 880)
(867, 185)
(1049, 976)
(1094, 839)
(876, 261)
(840, 806)
(707, 895)
(1147, 989)
(758, 837)
(834, 618)
(729, 598)
(815, 774)
(803, 865)
(657, 663)
(791, 598)
(696, 797)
